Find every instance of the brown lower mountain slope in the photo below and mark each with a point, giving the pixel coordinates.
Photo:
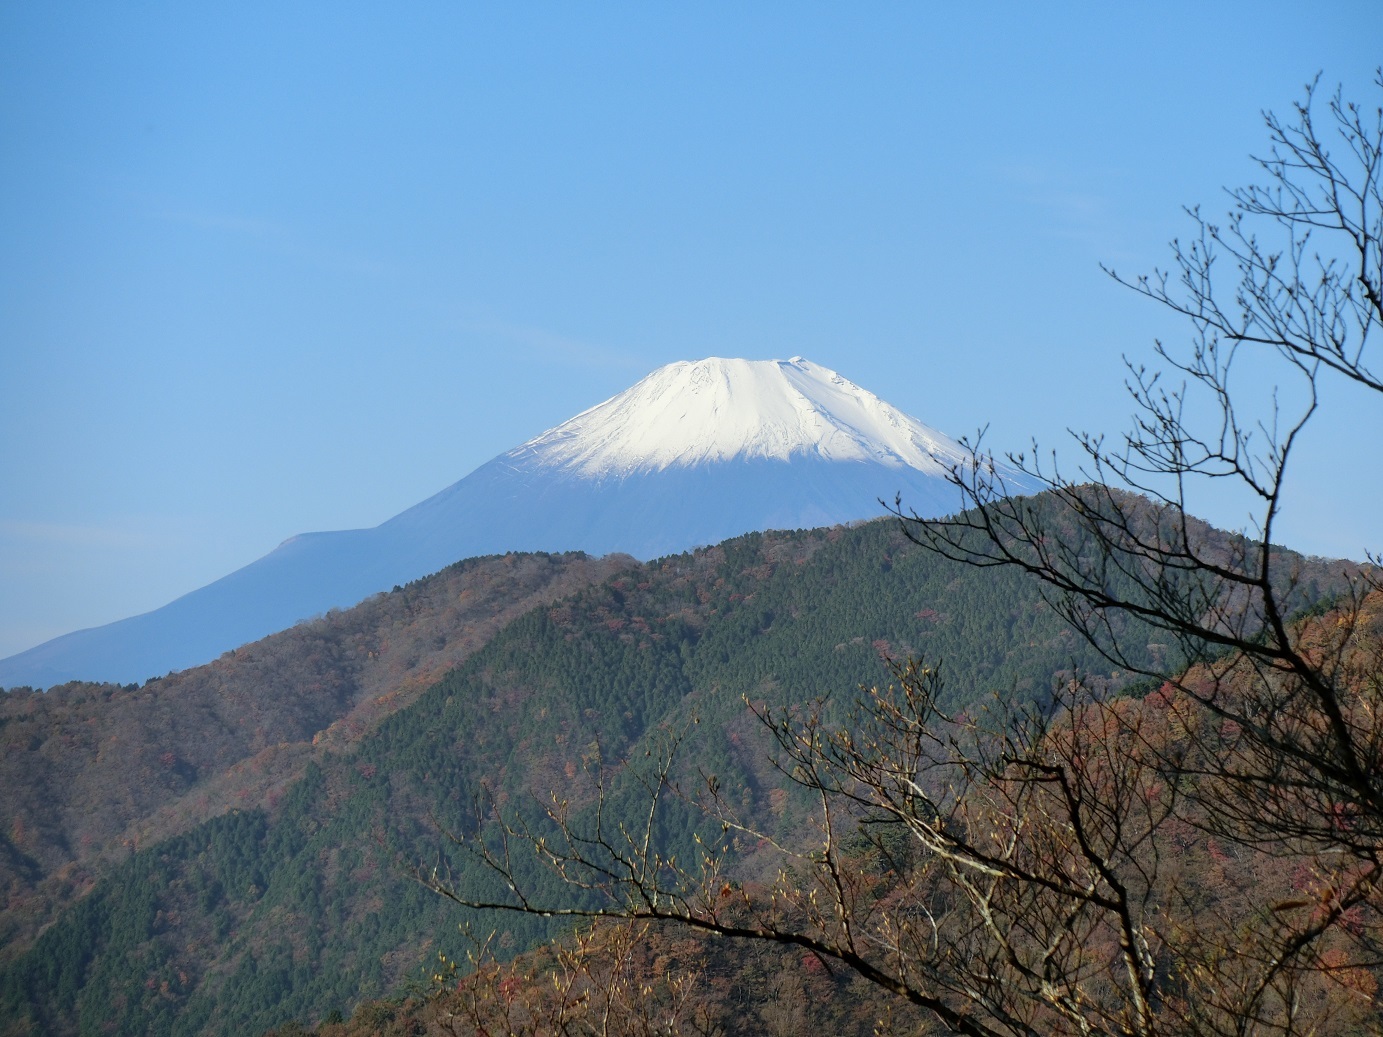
(91, 771)
(637, 980)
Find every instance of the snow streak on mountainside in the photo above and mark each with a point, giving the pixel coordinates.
(692, 413)
(693, 454)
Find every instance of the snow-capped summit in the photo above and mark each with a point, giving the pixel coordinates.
(693, 454)
(698, 412)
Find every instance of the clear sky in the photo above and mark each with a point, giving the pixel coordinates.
(271, 268)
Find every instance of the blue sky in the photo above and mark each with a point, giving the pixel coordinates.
(274, 268)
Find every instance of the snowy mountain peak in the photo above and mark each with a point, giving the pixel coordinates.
(637, 474)
(695, 412)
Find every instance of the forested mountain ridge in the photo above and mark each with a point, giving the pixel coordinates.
(92, 771)
(676, 979)
(304, 905)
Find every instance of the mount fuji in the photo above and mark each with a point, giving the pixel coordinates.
(693, 454)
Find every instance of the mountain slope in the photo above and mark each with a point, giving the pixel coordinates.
(303, 904)
(302, 907)
(91, 771)
(692, 454)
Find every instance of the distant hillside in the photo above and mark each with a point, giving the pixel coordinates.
(302, 905)
(92, 771)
